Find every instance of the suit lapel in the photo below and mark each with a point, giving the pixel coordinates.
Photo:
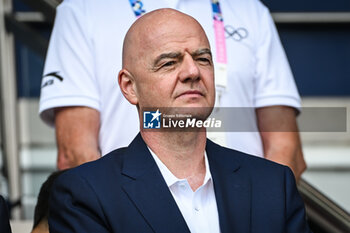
(147, 189)
(232, 189)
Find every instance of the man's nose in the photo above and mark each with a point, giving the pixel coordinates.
(189, 69)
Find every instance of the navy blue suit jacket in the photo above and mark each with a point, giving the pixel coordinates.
(4, 217)
(124, 191)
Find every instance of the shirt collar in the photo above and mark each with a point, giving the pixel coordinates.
(170, 178)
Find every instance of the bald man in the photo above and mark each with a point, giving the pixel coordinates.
(174, 180)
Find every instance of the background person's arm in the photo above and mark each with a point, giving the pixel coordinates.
(279, 132)
(69, 79)
(77, 131)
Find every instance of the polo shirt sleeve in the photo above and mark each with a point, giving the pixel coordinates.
(68, 77)
(274, 82)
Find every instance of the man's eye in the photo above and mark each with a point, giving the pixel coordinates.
(204, 60)
(169, 63)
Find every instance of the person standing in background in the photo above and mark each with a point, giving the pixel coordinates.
(80, 95)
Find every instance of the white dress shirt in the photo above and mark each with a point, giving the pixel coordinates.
(198, 208)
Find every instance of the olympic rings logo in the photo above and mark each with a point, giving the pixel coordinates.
(236, 34)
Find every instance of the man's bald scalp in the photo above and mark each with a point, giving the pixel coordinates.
(138, 31)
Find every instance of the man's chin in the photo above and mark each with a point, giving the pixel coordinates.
(194, 104)
(191, 111)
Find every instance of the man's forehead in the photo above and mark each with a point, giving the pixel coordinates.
(173, 33)
(177, 36)
(165, 26)
(170, 43)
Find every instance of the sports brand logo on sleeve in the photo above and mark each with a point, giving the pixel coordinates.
(50, 78)
(151, 119)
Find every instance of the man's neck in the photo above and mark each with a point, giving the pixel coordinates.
(181, 152)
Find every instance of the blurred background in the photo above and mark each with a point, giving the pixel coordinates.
(316, 38)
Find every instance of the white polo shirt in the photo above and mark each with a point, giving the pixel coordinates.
(84, 58)
(198, 208)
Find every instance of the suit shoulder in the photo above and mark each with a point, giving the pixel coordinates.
(258, 164)
(109, 164)
(261, 163)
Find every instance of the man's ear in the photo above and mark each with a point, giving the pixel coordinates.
(128, 86)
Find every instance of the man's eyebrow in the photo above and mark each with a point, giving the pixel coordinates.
(196, 53)
(166, 55)
(200, 52)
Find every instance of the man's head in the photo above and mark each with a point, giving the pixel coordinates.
(167, 62)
